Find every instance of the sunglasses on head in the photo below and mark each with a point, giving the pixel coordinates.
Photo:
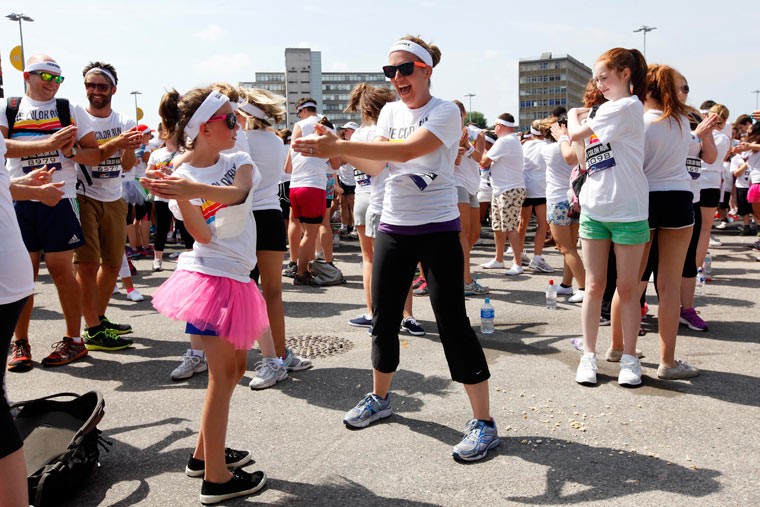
(405, 68)
(47, 76)
(101, 87)
(229, 117)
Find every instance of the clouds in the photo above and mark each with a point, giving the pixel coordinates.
(220, 65)
(210, 33)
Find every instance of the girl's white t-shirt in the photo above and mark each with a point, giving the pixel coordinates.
(422, 190)
(616, 188)
(666, 146)
(266, 152)
(364, 182)
(16, 275)
(285, 176)
(534, 168)
(162, 160)
(507, 166)
(231, 253)
(557, 173)
(308, 171)
(346, 174)
(742, 181)
(711, 173)
(754, 163)
(467, 173)
(694, 165)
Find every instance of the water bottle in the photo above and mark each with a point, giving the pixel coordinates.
(708, 267)
(700, 288)
(551, 296)
(486, 317)
(578, 344)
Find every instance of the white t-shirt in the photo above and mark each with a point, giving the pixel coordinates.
(534, 168)
(266, 151)
(694, 165)
(241, 144)
(467, 173)
(40, 121)
(485, 180)
(711, 173)
(364, 182)
(666, 146)
(742, 181)
(422, 190)
(346, 174)
(557, 173)
(16, 276)
(162, 160)
(308, 171)
(231, 253)
(285, 176)
(106, 176)
(616, 189)
(507, 166)
(754, 163)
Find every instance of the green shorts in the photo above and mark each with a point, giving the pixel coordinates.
(622, 233)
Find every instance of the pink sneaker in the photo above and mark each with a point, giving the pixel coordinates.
(690, 318)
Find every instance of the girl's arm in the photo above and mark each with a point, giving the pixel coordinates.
(575, 130)
(745, 146)
(565, 146)
(196, 225)
(288, 161)
(480, 145)
(740, 170)
(709, 150)
(183, 189)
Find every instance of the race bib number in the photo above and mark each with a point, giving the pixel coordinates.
(111, 168)
(694, 167)
(422, 180)
(362, 179)
(599, 157)
(51, 159)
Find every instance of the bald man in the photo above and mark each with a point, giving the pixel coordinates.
(36, 137)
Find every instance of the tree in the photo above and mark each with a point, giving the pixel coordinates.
(478, 119)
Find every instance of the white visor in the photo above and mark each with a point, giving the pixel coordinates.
(44, 67)
(414, 48)
(306, 104)
(213, 102)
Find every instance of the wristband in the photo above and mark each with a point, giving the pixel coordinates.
(564, 138)
(469, 151)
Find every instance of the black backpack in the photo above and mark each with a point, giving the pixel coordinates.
(60, 443)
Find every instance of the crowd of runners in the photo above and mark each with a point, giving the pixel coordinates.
(635, 176)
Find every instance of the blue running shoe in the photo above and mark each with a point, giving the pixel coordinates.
(362, 320)
(479, 438)
(372, 408)
(411, 326)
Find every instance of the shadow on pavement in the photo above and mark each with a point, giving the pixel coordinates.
(340, 491)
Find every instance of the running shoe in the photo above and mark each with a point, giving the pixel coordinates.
(241, 484)
(131, 252)
(745, 231)
(189, 366)
(132, 268)
(134, 295)
(644, 310)
(100, 338)
(690, 317)
(586, 372)
(493, 264)
(475, 289)
(756, 245)
(630, 371)
(116, 289)
(524, 259)
(682, 370)
(722, 225)
(146, 251)
(174, 255)
(20, 357)
(158, 265)
(362, 320)
(294, 363)
(577, 297)
(290, 270)
(515, 270)
(65, 352)
(270, 371)
(353, 234)
(232, 458)
(422, 290)
(320, 256)
(564, 291)
(715, 242)
(114, 327)
(411, 326)
(479, 438)
(604, 321)
(614, 356)
(539, 264)
(343, 231)
(372, 408)
(417, 282)
(305, 279)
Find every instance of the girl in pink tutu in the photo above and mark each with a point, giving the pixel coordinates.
(211, 289)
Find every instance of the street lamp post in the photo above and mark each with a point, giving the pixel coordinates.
(20, 17)
(470, 96)
(136, 93)
(757, 93)
(645, 29)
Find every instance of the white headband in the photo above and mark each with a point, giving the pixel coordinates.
(213, 102)
(414, 48)
(102, 71)
(44, 67)
(252, 110)
(506, 123)
(534, 132)
(490, 139)
(305, 105)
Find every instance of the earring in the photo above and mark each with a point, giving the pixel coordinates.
(630, 86)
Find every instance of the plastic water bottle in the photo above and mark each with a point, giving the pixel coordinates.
(700, 288)
(577, 343)
(486, 317)
(708, 267)
(551, 296)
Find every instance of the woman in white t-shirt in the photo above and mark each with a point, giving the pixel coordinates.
(614, 202)
(418, 138)
(752, 146)
(485, 192)
(211, 289)
(740, 170)
(347, 183)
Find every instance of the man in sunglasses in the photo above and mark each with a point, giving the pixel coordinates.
(103, 211)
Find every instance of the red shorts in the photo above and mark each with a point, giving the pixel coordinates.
(308, 204)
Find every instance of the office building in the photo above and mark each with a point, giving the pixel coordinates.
(547, 82)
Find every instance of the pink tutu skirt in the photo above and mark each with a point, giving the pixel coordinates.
(754, 193)
(235, 310)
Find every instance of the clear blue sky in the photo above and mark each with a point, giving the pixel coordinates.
(162, 44)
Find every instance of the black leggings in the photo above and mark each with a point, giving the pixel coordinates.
(11, 440)
(163, 222)
(396, 257)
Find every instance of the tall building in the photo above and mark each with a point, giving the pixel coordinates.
(303, 76)
(547, 82)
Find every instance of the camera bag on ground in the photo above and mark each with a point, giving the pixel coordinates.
(326, 273)
(60, 443)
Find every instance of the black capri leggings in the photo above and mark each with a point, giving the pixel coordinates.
(10, 441)
(440, 254)
(163, 222)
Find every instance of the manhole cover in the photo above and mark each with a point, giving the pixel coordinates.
(312, 346)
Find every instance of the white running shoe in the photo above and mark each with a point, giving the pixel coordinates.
(189, 366)
(270, 371)
(577, 297)
(524, 259)
(715, 241)
(564, 291)
(158, 265)
(630, 371)
(539, 264)
(586, 372)
(493, 264)
(509, 251)
(516, 269)
(116, 289)
(135, 296)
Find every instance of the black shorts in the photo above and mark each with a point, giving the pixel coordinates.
(141, 211)
(270, 230)
(724, 203)
(709, 197)
(533, 201)
(49, 228)
(328, 203)
(671, 209)
(283, 191)
(347, 189)
(745, 208)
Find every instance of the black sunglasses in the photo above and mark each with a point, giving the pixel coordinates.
(405, 68)
(229, 117)
(101, 87)
(685, 89)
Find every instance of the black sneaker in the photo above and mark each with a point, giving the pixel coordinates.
(100, 338)
(291, 270)
(241, 484)
(114, 327)
(233, 459)
(305, 279)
